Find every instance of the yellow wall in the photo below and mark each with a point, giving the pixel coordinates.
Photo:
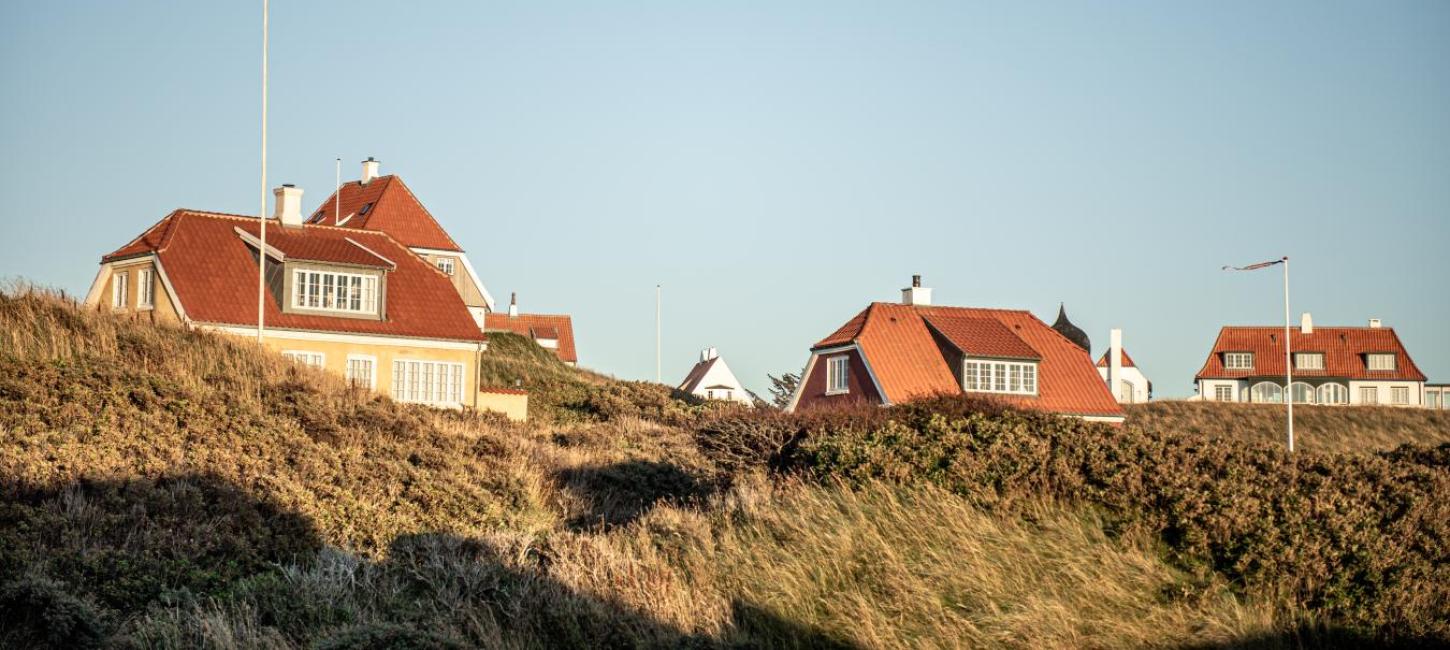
(162, 311)
(335, 356)
(513, 406)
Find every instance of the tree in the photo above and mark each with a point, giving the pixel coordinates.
(783, 388)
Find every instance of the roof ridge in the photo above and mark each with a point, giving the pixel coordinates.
(426, 212)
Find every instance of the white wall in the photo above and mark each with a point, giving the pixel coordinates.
(1133, 376)
(1416, 389)
(1208, 388)
(720, 375)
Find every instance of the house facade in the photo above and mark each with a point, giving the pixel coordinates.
(1330, 365)
(711, 378)
(1437, 396)
(891, 353)
(553, 332)
(1122, 376)
(353, 301)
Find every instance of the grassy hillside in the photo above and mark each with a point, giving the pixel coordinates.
(1331, 429)
(165, 488)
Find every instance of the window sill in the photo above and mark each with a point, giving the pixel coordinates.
(838, 392)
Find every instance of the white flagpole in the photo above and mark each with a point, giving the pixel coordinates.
(658, 376)
(337, 196)
(262, 215)
(1288, 359)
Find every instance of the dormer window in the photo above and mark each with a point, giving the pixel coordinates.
(990, 376)
(1238, 360)
(334, 291)
(1309, 360)
(1380, 361)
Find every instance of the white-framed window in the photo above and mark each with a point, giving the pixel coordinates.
(1309, 360)
(1369, 395)
(1223, 393)
(1301, 393)
(145, 294)
(1399, 394)
(1432, 399)
(1238, 360)
(428, 382)
(1267, 392)
(1333, 394)
(121, 289)
(1380, 361)
(335, 291)
(444, 264)
(362, 371)
(306, 357)
(982, 376)
(838, 377)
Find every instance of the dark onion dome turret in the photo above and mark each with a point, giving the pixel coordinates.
(1072, 332)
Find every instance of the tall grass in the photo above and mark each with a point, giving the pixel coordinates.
(167, 488)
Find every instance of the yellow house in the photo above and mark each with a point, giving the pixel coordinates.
(354, 301)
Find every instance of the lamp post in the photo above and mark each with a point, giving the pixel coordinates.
(1288, 344)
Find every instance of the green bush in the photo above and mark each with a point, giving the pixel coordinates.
(1360, 539)
(40, 613)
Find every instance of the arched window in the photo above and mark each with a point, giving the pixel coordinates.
(1333, 394)
(1268, 392)
(1302, 393)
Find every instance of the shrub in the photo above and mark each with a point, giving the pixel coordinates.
(1361, 539)
(39, 613)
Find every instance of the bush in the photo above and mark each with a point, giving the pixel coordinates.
(1361, 539)
(39, 613)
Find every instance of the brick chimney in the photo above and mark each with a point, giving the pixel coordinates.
(916, 294)
(289, 205)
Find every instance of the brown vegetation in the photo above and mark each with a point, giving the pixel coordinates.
(1329, 429)
(167, 488)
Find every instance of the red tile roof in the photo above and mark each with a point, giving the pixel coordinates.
(529, 324)
(1344, 350)
(385, 204)
(1127, 360)
(214, 274)
(908, 362)
(981, 337)
(299, 244)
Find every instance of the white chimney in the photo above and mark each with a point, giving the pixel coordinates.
(1115, 363)
(1306, 324)
(916, 294)
(513, 304)
(1375, 323)
(289, 205)
(370, 170)
(708, 354)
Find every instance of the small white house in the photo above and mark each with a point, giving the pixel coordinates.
(712, 379)
(1124, 378)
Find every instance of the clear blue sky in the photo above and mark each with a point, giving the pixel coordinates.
(777, 166)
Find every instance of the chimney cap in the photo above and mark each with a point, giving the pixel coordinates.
(916, 280)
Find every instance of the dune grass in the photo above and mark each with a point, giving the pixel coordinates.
(1329, 429)
(168, 488)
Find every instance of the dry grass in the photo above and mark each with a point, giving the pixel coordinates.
(1328, 429)
(167, 488)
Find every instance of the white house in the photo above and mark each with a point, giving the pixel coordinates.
(1132, 386)
(712, 379)
(1331, 365)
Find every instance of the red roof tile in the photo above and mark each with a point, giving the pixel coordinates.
(981, 337)
(299, 244)
(528, 324)
(908, 363)
(1344, 350)
(214, 274)
(1127, 360)
(385, 204)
